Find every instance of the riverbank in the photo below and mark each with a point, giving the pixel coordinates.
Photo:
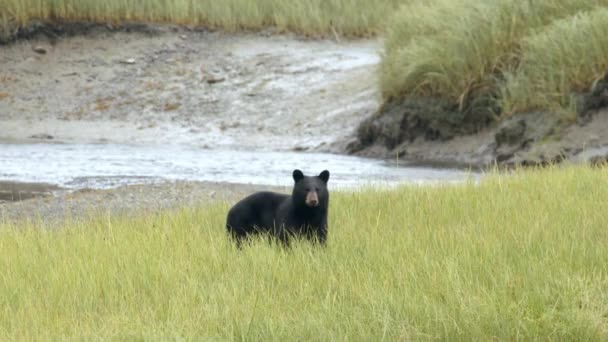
(477, 82)
(261, 91)
(130, 179)
(151, 85)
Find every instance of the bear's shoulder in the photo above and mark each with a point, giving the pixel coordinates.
(268, 197)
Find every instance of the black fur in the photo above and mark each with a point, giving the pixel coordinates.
(303, 214)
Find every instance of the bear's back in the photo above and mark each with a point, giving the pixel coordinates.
(258, 209)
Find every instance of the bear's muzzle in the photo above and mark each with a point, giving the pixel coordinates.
(312, 199)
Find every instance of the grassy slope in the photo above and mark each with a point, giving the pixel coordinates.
(515, 257)
(461, 50)
(562, 60)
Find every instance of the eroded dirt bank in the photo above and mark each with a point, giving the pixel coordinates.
(164, 84)
(423, 131)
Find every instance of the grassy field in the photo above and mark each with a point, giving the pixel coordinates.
(521, 55)
(519, 256)
(313, 17)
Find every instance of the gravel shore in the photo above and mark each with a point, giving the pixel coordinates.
(145, 198)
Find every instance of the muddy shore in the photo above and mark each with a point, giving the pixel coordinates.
(173, 85)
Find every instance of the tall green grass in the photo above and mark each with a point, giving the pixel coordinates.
(463, 50)
(314, 17)
(516, 257)
(559, 63)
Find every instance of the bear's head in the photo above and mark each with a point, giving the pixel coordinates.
(310, 191)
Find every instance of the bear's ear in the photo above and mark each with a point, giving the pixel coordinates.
(324, 176)
(297, 175)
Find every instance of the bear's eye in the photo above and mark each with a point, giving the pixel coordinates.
(307, 189)
(316, 189)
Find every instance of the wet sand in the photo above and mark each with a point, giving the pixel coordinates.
(18, 191)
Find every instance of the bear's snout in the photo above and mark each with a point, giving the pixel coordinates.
(312, 200)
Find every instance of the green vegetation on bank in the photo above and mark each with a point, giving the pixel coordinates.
(559, 63)
(520, 55)
(519, 256)
(314, 17)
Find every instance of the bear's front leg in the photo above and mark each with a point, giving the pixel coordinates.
(282, 235)
(322, 234)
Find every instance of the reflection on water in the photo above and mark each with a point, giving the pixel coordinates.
(110, 165)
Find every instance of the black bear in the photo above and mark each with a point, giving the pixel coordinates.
(302, 214)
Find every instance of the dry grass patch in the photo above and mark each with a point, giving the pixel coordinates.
(312, 17)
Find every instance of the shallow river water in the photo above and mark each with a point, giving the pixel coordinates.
(109, 165)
